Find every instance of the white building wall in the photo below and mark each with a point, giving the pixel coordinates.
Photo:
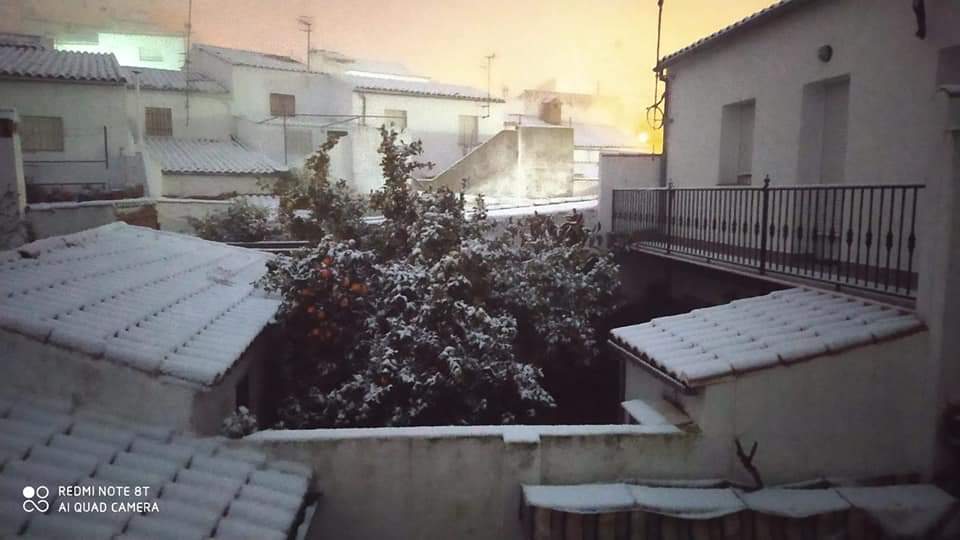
(863, 413)
(214, 185)
(435, 121)
(154, 51)
(210, 116)
(895, 115)
(85, 110)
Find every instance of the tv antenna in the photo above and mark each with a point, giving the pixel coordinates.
(306, 25)
(490, 58)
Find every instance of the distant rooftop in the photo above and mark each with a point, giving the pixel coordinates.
(159, 302)
(205, 156)
(172, 80)
(421, 87)
(778, 329)
(241, 57)
(201, 488)
(46, 64)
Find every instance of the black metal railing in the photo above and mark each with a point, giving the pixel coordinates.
(854, 236)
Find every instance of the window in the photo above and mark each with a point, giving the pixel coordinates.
(823, 132)
(469, 132)
(948, 66)
(283, 105)
(158, 121)
(396, 119)
(41, 134)
(736, 143)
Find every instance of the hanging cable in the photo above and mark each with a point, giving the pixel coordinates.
(655, 112)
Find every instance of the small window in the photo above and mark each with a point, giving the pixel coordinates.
(736, 143)
(283, 105)
(150, 55)
(159, 121)
(469, 135)
(41, 134)
(396, 119)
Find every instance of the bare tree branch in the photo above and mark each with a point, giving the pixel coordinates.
(747, 462)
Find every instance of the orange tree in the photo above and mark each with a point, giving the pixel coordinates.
(426, 315)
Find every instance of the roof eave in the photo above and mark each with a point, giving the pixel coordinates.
(761, 17)
(411, 93)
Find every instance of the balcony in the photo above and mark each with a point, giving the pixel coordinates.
(856, 237)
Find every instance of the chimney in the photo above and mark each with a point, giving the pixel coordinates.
(551, 111)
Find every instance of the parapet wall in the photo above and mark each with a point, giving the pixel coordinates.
(464, 482)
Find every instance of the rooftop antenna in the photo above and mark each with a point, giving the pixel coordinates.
(490, 58)
(306, 25)
(186, 64)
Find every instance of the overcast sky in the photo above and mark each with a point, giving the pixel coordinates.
(581, 43)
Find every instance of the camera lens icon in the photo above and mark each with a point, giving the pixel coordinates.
(40, 493)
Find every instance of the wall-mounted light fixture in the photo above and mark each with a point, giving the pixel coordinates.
(825, 53)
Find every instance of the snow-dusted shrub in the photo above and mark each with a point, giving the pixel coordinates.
(427, 318)
(242, 221)
(239, 423)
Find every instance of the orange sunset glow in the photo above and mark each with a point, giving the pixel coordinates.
(585, 45)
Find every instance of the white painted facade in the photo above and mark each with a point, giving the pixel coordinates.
(875, 113)
(209, 116)
(895, 116)
(86, 109)
(161, 51)
(433, 120)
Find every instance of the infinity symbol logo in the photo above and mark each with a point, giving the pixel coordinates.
(40, 505)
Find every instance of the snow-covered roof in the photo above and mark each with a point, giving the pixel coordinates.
(206, 156)
(780, 328)
(48, 64)
(241, 57)
(763, 15)
(417, 87)
(159, 302)
(901, 511)
(170, 80)
(201, 488)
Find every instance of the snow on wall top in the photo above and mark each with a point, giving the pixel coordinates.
(201, 488)
(780, 328)
(901, 511)
(159, 302)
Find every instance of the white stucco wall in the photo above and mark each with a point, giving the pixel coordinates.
(210, 116)
(85, 110)
(172, 214)
(40, 369)
(624, 171)
(435, 121)
(56, 219)
(862, 413)
(214, 185)
(895, 115)
(464, 482)
(11, 163)
(162, 51)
